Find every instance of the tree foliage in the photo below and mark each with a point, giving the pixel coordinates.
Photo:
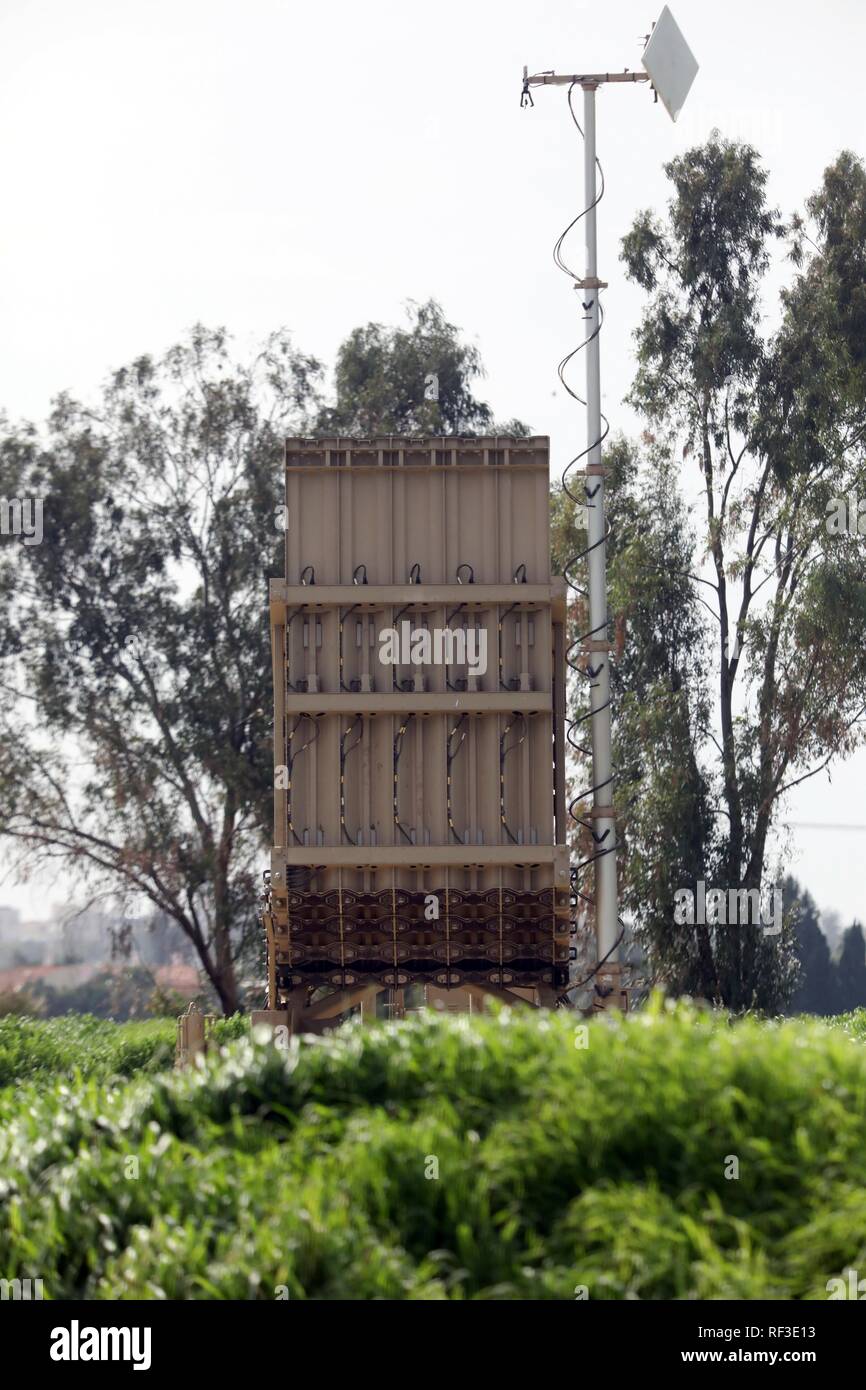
(416, 379)
(139, 752)
(851, 968)
(739, 619)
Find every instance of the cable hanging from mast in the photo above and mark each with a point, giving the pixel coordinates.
(598, 632)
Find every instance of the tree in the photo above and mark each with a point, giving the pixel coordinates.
(817, 990)
(851, 969)
(660, 708)
(412, 380)
(138, 754)
(769, 428)
(136, 749)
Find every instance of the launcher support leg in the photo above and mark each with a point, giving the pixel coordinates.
(479, 994)
(300, 1017)
(609, 991)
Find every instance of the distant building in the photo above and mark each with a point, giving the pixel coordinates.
(9, 919)
(90, 936)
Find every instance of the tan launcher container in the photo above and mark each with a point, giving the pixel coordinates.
(419, 752)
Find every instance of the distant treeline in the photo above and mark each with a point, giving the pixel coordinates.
(829, 983)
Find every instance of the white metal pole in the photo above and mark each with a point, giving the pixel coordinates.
(598, 644)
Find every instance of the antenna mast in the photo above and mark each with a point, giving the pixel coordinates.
(670, 66)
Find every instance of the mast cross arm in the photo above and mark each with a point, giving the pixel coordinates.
(583, 79)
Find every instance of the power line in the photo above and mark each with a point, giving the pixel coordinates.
(822, 825)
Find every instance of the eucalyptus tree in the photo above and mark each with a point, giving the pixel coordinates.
(769, 427)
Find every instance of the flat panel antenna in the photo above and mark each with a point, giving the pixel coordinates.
(670, 63)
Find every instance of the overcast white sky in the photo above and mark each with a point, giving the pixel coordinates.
(254, 163)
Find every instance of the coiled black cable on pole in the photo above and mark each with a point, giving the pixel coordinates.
(600, 631)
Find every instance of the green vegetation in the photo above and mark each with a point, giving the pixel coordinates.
(853, 1023)
(558, 1165)
(80, 1046)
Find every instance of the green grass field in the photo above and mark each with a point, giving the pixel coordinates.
(438, 1158)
